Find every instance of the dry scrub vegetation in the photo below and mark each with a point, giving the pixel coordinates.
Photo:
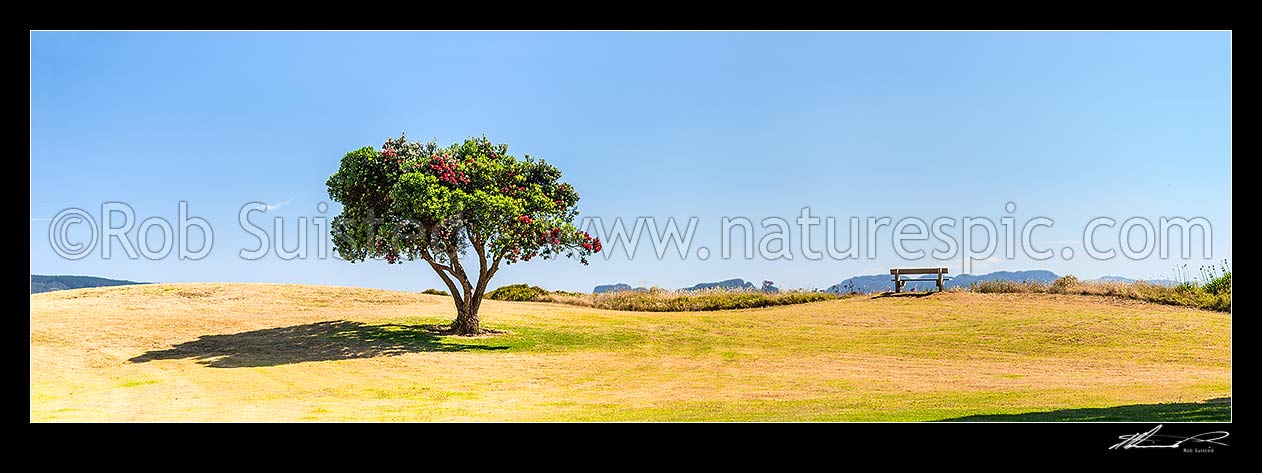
(1215, 295)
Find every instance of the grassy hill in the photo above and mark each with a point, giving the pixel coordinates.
(271, 352)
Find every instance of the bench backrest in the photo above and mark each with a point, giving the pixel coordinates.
(918, 271)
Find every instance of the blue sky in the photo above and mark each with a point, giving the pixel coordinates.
(1069, 126)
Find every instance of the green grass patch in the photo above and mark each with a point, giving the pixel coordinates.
(880, 408)
(1169, 412)
(427, 335)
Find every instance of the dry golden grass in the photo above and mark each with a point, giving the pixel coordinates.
(269, 352)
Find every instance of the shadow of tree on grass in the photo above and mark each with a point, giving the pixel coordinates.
(911, 294)
(320, 341)
(1213, 410)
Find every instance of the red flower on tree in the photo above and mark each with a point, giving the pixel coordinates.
(447, 170)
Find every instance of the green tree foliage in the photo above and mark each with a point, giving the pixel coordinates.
(517, 292)
(413, 201)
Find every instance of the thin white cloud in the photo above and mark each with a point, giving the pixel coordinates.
(271, 207)
(1058, 242)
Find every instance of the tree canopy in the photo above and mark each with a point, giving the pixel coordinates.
(414, 201)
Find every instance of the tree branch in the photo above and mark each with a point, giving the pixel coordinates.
(484, 277)
(441, 270)
(478, 248)
(459, 271)
(495, 266)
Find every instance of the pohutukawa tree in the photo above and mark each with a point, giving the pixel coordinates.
(413, 201)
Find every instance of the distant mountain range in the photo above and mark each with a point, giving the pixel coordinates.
(616, 288)
(725, 284)
(877, 282)
(41, 283)
(735, 284)
(885, 282)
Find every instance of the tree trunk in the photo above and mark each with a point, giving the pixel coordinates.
(466, 322)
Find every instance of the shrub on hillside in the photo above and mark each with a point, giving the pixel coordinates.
(1219, 285)
(1063, 284)
(1215, 295)
(435, 292)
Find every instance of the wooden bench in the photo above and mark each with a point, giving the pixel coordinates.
(940, 276)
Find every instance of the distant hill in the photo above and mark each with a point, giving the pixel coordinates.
(726, 284)
(884, 282)
(1038, 275)
(41, 283)
(615, 288)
